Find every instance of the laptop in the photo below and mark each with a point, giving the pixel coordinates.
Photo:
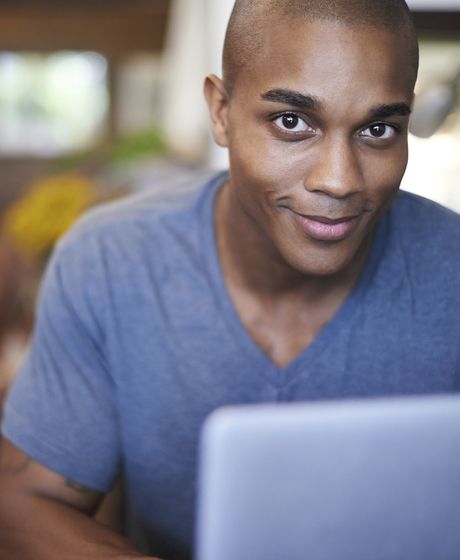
(345, 480)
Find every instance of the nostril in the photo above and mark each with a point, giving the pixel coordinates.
(335, 189)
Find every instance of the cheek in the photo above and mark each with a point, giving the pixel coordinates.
(250, 182)
(256, 168)
(254, 151)
(383, 174)
(264, 168)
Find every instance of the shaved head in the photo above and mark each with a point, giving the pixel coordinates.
(252, 20)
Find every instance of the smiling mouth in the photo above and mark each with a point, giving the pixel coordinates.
(329, 221)
(324, 228)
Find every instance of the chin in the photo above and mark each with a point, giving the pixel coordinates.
(326, 262)
(325, 270)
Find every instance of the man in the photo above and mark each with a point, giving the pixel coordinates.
(300, 275)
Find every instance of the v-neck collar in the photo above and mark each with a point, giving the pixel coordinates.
(242, 338)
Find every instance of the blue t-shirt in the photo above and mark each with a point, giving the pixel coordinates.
(137, 341)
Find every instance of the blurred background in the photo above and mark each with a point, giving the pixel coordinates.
(99, 98)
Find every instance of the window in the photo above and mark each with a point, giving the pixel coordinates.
(434, 163)
(51, 104)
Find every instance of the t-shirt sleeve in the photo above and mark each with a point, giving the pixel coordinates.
(61, 409)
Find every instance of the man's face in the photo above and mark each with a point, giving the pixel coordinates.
(316, 129)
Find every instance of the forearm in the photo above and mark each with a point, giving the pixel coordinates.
(39, 528)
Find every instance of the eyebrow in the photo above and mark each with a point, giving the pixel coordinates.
(294, 98)
(390, 110)
(312, 103)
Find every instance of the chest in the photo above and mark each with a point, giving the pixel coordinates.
(284, 329)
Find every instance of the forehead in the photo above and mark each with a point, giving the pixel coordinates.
(335, 62)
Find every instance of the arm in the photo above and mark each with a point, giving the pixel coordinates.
(45, 517)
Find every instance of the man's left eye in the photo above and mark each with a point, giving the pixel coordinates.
(291, 122)
(379, 131)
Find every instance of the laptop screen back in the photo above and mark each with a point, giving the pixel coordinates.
(362, 480)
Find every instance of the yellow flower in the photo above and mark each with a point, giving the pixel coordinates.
(51, 206)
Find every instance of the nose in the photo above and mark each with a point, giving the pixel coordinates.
(334, 168)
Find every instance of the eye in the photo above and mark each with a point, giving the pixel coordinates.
(379, 131)
(290, 122)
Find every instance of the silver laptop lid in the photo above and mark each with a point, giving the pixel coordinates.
(361, 480)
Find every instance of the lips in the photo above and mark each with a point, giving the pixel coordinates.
(324, 228)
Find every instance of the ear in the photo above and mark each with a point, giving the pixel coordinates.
(217, 100)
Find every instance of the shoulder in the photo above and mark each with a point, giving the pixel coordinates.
(413, 207)
(143, 218)
(126, 245)
(429, 227)
(142, 210)
(426, 236)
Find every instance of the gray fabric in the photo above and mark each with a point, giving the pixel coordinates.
(137, 341)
